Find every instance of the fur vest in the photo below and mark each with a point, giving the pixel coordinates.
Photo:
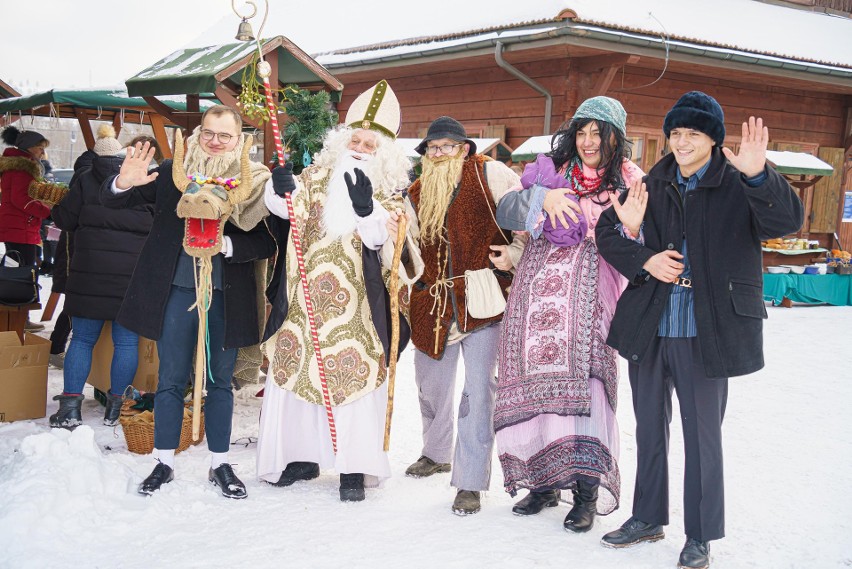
(470, 229)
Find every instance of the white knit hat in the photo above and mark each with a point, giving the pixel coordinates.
(107, 144)
(376, 109)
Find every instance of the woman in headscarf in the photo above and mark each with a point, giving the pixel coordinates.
(556, 396)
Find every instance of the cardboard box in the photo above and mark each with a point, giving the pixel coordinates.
(23, 377)
(146, 373)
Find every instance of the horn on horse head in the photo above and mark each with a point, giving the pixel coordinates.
(243, 191)
(178, 173)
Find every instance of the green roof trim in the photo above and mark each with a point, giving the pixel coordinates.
(199, 70)
(107, 99)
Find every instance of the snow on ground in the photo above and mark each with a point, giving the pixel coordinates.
(69, 498)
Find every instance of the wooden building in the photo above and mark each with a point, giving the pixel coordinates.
(519, 80)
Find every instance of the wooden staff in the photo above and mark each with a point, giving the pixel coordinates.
(200, 369)
(394, 310)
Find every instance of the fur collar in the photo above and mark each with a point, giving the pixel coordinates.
(28, 165)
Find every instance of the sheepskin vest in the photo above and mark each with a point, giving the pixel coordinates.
(469, 228)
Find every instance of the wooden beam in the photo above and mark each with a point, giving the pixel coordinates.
(605, 80)
(116, 124)
(595, 62)
(180, 119)
(192, 104)
(158, 126)
(86, 127)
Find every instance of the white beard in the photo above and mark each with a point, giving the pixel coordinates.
(338, 216)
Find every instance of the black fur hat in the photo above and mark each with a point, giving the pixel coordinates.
(698, 111)
(24, 140)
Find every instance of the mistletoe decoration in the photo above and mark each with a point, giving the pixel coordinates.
(309, 114)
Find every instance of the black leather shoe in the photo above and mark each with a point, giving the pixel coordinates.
(162, 474)
(352, 487)
(632, 532)
(581, 518)
(297, 471)
(694, 555)
(223, 476)
(535, 502)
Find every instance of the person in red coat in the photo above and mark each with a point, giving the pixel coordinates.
(20, 215)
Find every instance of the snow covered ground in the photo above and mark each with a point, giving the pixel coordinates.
(68, 499)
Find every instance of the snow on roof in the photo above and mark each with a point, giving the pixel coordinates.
(748, 25)
(787, 162)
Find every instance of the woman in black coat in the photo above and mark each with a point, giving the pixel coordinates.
(107, 243)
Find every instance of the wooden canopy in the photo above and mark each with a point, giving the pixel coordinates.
(216, 72)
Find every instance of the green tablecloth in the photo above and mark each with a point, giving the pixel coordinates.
(812, 289)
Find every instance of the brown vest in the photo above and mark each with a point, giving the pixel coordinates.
(470, 229)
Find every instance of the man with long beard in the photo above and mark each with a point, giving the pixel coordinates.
(455, 200)
(160, 299)
(340, 206)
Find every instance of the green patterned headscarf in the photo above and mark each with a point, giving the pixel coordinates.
(604, 109)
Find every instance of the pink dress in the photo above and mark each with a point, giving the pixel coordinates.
(557, 378)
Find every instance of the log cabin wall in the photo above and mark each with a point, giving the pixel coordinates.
(801, 116)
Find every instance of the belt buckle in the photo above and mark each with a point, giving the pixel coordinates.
(684, 282)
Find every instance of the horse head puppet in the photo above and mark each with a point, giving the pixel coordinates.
(207, 203)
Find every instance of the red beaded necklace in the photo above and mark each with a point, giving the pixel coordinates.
(584, 186)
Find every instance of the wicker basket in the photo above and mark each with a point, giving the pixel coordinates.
(139, 431)
(48, 193)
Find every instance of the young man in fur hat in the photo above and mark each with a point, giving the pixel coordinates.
(692, 315)
(455, 201)
(341, 205)
(160, 299)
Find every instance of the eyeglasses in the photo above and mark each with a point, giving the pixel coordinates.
(444, 148)
(223, 137)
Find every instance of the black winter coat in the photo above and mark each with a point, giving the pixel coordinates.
(145, 302)
(107, 243)
(723, 221)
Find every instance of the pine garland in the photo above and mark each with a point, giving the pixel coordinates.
(309, 116)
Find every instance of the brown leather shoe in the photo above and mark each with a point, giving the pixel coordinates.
(466, 503)
(425, 466)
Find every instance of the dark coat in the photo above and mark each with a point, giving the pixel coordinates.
(723, 222)
(107, 242)
(145, 302)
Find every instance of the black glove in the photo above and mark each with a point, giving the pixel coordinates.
(360, 192)
(282, 179)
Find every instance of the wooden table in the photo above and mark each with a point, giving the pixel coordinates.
(14, 318)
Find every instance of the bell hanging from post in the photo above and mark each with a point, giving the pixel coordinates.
(244, 32)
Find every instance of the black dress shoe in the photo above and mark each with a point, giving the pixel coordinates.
(162, 474)
(581, 518)
(297, 471)
(223, 476)
(352, 487)
(535, 502)
(694, 555)
(632, 532)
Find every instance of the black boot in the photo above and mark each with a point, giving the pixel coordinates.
(352, 487)
(68, 416)
(297, 471)
(582, 516)
(113, 409)
(536, 502)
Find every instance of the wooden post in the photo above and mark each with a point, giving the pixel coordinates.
(159, 128)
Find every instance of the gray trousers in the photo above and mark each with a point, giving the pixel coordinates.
(676, 363)
(436, 381)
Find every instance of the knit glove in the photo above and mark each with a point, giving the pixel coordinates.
(283, 181)
(360, 192)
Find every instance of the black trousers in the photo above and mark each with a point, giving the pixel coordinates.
(27, 253)
(675, 363)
